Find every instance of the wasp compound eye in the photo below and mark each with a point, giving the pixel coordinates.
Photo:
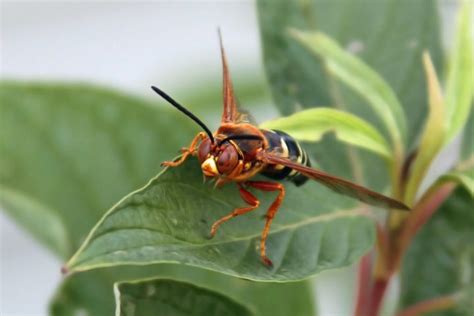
(204, 150)
(227, 160)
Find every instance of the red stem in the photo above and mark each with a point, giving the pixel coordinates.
(364, 282)
(436, 304)
(377, 295)
(422, 212)
(371, 292)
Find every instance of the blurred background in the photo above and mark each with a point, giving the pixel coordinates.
(129, 46)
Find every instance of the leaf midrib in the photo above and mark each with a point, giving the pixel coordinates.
(354, 212)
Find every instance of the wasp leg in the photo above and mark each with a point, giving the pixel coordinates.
(186, 151)
(249, 198)
(268, 186)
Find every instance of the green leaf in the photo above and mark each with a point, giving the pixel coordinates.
(91, 146)
(463, 172)
(27, 212)
(170, 297)
(169, 221)
(467, 146)
(67, 148)
(432, 138)
(460, 82)
(383, 34)
(311, 125)
(91, 292)
(361, 78)
(442, 256)
(465, 178)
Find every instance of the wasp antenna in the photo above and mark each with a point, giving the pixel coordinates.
(185, 111)
(219, 34)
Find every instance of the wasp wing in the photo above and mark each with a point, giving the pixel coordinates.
(231, 113)
(336, 184)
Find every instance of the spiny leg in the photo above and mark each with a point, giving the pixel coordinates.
(249, 198)
(186, 151)
(268, 186)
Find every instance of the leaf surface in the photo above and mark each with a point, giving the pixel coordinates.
(27, 212)
(460, 81)
(433, 135)
(314, 230)
(383, 34)
(92, 291)
(442, 256)
(79, 134)
(310, 125)
(76, 149)
(463, 172)
(359, 77)
(170, 297)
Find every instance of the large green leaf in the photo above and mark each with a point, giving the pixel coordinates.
(460, 82)
(91, 292)
(361, 78)
(440, 261)
(383, 33)
(35, 216)
(167, 297)
(169, 221)
(310, 125)
(76, 149)
(68, 152)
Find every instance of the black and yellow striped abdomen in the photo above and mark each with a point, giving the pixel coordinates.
(283, 144)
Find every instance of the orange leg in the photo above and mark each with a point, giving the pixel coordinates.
(249, 198)
(186, 151)
(268, 186)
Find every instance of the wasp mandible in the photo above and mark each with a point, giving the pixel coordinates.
(239, 150)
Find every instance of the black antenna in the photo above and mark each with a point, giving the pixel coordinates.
(185, 111)
(241, 136)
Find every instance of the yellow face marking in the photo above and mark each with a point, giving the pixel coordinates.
(209, 167)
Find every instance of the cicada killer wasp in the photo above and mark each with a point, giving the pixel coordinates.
(239, 150)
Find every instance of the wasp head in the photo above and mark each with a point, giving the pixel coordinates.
(217, 160)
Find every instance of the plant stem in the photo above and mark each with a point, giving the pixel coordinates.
(421, 213)
(364, 282)
(378, 292)
(436, 304)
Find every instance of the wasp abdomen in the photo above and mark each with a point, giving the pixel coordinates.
(287, 147)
